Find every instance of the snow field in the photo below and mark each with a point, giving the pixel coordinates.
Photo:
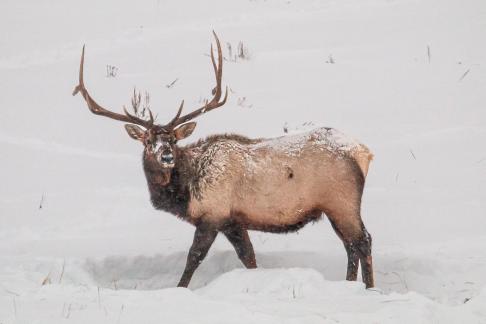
(408, 80)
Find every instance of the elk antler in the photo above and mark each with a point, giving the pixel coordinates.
(98, 110)
(214, 103)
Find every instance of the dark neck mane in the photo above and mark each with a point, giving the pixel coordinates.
(174, 197)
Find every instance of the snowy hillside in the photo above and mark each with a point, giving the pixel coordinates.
(79, 240)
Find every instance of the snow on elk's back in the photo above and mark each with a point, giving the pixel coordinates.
(218, 153)
(323, 138)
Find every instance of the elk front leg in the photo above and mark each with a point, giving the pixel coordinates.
(240, 240)
(203, 239)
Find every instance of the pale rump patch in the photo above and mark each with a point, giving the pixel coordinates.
(363, 157)
(280, 181)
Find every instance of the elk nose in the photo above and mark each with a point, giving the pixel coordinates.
(167, 158)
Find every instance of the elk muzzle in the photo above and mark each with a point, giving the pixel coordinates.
(166, 159)
(164, 154)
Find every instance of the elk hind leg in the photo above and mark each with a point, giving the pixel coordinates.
(353, 256)
(357, 242)
(364, 250)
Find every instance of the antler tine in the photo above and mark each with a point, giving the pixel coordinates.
(215, 101)
(179, 111)
(95, 108)
(135, 120)
(218, 71)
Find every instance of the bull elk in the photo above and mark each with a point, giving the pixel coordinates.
(232, 184)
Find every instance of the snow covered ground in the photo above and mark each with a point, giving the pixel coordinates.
(79, 241)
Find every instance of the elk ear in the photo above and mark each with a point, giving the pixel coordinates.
(184, 130)
(135, 132)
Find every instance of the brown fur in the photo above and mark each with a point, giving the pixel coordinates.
(273, 185)
(224, 137)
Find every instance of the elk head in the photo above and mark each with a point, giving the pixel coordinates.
(159, 140)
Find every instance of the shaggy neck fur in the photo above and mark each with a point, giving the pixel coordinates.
(173, 197)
